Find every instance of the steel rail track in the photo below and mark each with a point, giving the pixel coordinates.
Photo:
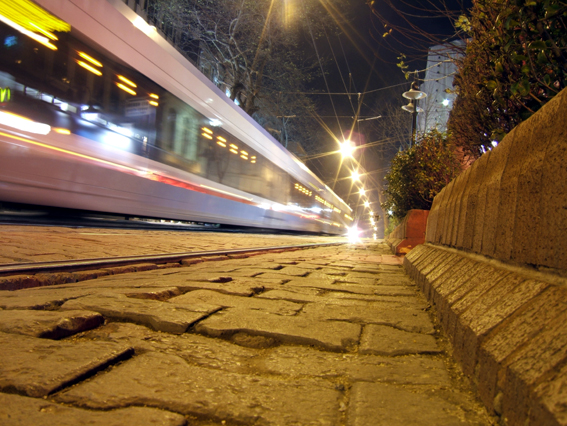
(97, 263)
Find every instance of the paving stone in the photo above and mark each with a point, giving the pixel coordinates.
(169, 382)
(417, 302)
(18, 410)
(38, 367)
(379, 404)
(237, 286)
(197, 297)
(384, 340)
(326, 285)
(301, 330)
(302, 361)
(350, 279)
(41, 298)
(337, 298)
(162, 316)
(160, 294)
(294, 271)
(195, 348)
(48, 324)
(412, 320)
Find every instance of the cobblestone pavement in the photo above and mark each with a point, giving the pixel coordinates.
(325, 336)
(53, 244)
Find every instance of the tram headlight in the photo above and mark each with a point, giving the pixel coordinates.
(117, 140)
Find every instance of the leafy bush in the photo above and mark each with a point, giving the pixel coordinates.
(419, 173)
(516, 61)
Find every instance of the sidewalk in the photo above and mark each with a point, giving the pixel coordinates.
(325, 336)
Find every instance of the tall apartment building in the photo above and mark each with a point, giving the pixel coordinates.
(438, 84)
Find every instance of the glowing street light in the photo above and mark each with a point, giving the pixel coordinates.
(362, 191)
(346, 149)
(367, 203)
(355, 175)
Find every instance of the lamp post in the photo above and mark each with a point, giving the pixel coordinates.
(414, 95)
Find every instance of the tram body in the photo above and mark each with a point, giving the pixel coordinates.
(109, 117)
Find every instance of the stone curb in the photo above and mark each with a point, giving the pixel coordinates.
(507, 328)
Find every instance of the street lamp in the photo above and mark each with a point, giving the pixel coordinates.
(367, 204)
(355, 175)
(362, 191)
(346, 149)
(414, 95)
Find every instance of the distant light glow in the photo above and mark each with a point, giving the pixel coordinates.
(89, 68)
(61, 131)
(23, 123)
(362, 191)
(346, 149)
(353, 234)
(234, 151)
(44, 32)
(127, 81)
(126, 89)
(494, 144)
(215, 122)
(89, 58)
(207, 135)
(117, 140)
(40, 39)
(153, 103)
(445, 102)
(367, 204)
(143, 26)
(205, 129)
(153, 95)
(221, 144)
(355, 175)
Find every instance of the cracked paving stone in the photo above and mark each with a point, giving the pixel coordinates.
(330, 335)
(48, 324)
(161, 316)
(379, 404)
(301, 361)
(196, 297)
(18, 410)
(384, 340)
(40, 298)
(412, 320)
(339, 299)
(418, 302)
(197, 349)
(160, 294)
(170, 383)
(38, 367)
(329, 286)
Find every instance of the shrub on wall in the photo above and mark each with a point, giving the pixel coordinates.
(516, 61)
(419, 173)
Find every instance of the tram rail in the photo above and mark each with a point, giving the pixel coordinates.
(16, 276)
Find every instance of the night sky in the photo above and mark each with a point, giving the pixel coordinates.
(363, 61)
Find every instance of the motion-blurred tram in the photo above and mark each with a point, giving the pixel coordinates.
(98, 112)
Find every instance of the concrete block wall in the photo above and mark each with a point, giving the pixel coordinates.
(511, 204)
(495, 266)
